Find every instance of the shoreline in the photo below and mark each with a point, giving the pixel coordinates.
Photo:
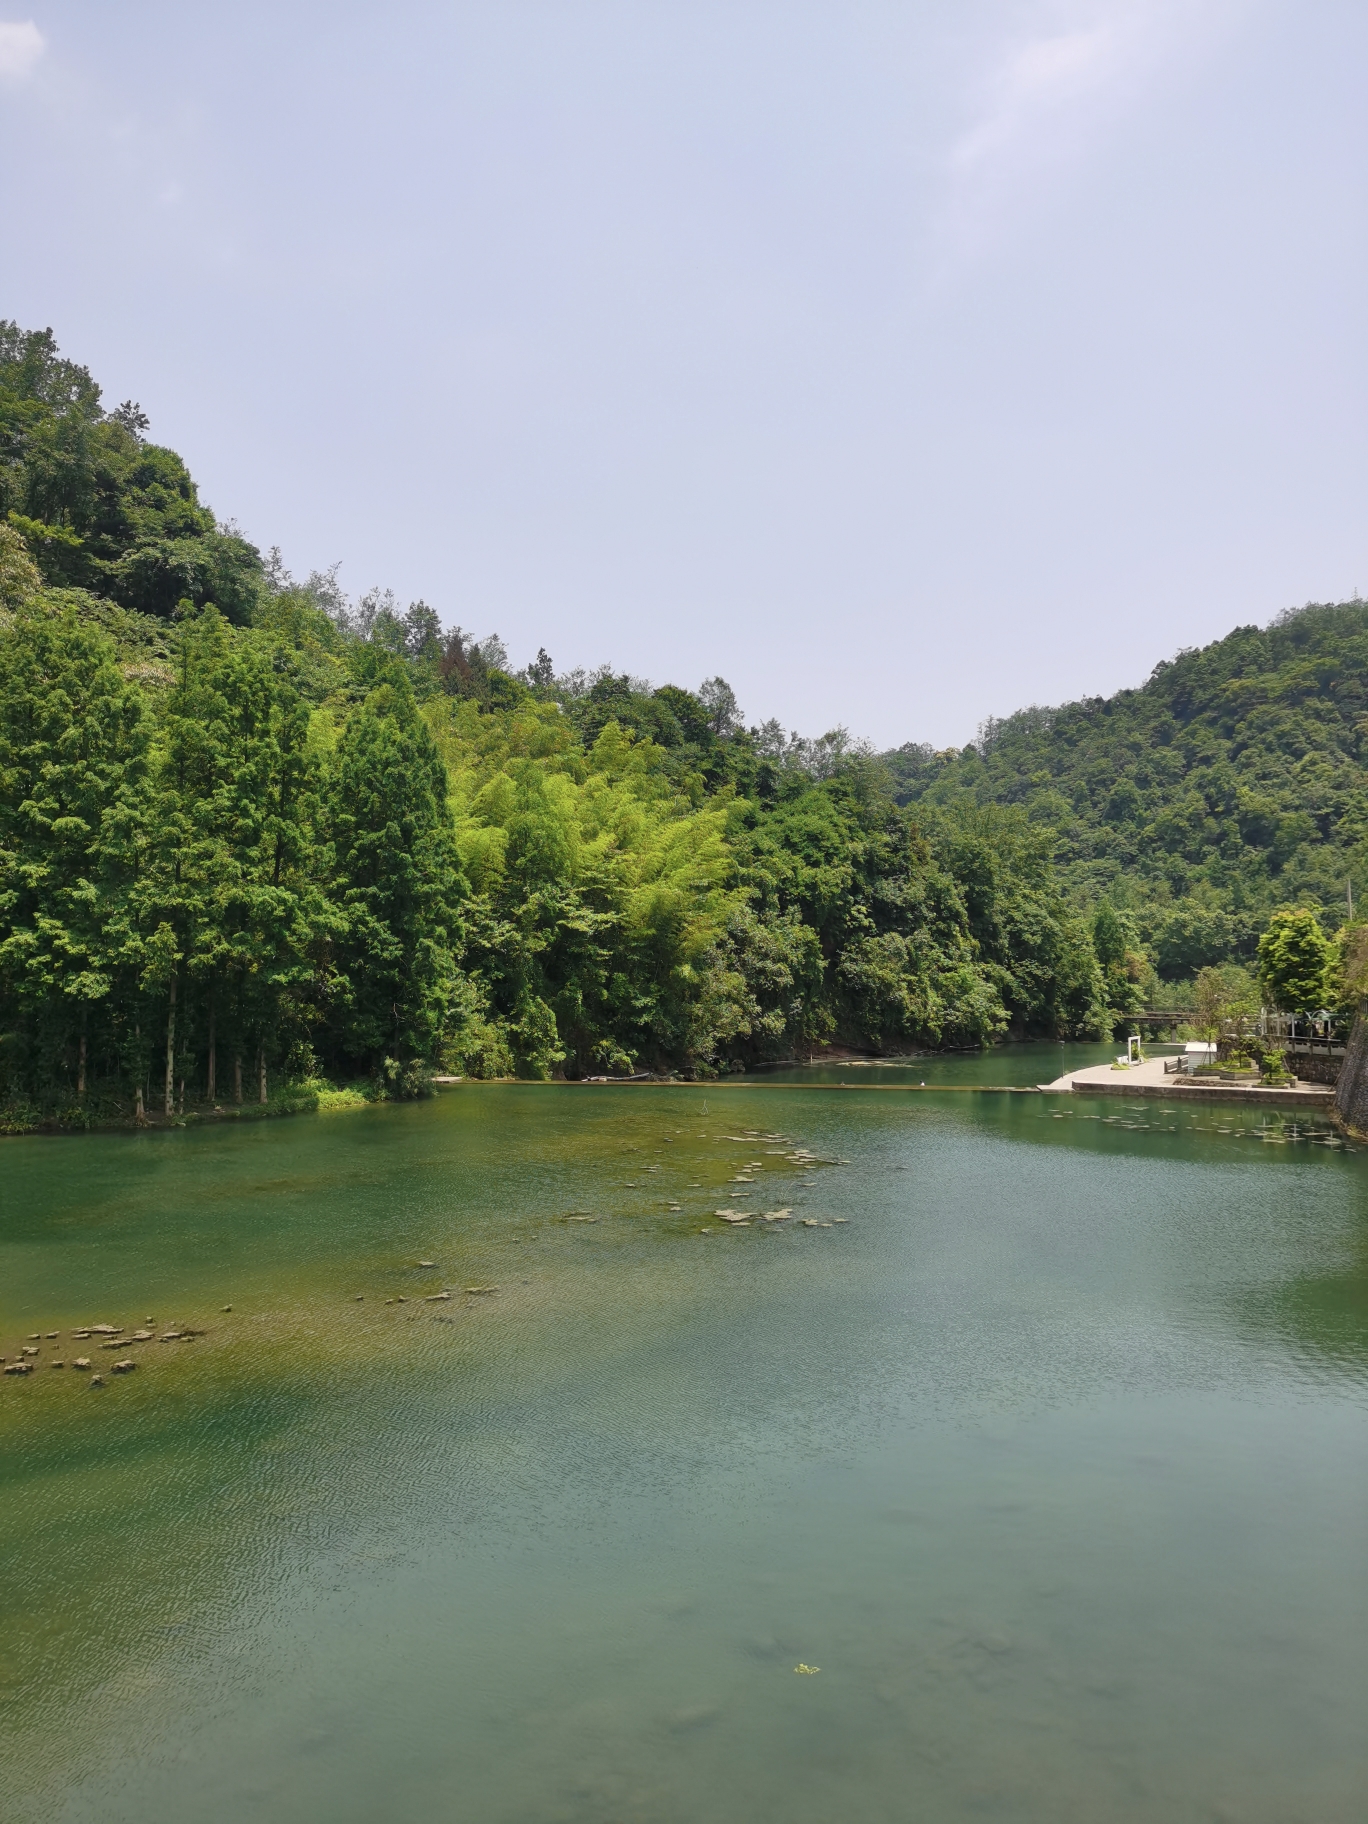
(333, 1099)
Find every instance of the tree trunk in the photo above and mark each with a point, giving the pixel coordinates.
(81, 1060)
(139, 1114)
(237, 1076)
(261, 1073)
(1351, 1091)
(171, 1051)
(212, 1076)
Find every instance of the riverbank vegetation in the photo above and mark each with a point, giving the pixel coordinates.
(256, 837)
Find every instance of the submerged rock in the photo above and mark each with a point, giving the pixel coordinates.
(18, 1368)
(82, 1361)
(125, 1367)
(695, 1716)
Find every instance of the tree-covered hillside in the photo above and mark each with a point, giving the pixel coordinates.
(1233, 782)
(251, 832)
(98, 506)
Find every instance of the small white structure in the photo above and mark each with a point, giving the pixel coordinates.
(1133, 1053)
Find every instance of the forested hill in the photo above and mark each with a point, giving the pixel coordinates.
(1231, 783)
(254, 834)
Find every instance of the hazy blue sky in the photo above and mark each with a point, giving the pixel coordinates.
(904, 363)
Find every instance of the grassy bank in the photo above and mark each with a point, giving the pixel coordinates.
(99, 1112)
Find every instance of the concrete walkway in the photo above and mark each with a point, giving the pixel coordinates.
(1148, 1079)
(1151, 1071)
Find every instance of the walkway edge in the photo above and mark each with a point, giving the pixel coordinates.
(1203, 1092)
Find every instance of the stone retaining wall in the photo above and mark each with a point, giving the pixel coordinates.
(1314, 1101)
(1351, 1092)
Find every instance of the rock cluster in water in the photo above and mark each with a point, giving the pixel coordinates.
(120, 1339)
(111, 1336)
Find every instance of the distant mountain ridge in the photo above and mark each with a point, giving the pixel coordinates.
(1231, 782)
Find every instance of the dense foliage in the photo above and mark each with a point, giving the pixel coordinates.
(1231, 784)
(251, 831)
(98, 506)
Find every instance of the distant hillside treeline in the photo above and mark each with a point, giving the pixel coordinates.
(1233, 782)
(250, 831)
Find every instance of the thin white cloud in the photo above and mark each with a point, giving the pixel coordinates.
(21, 45)
(1046, 94)
(1037, 81)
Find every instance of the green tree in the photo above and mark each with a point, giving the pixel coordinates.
(396, 884)
(19, 578)
(1119, 956)
(232, 868)
(74, 743)
(1227, 1001)
(1294, 957)
(1349, 967)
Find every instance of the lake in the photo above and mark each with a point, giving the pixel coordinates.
(1021, 1473)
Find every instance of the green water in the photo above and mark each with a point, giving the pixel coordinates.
(1052, 1457)
(1010, 1066)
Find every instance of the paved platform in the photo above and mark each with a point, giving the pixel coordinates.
(1149, 1079)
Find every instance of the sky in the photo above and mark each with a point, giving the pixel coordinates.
(903, 363)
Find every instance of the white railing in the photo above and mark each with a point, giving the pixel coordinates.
(1304, 1032)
